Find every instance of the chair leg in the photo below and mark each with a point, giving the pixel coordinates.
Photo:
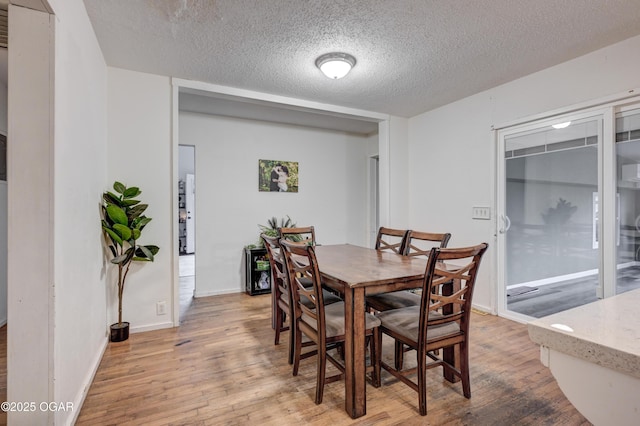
(464, 370)
(398, 355)
(278, 327)
(320, 376)
(376, 343)
(292, 339)
(297, 351)
(422, 382)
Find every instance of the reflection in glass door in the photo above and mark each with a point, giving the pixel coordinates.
(628, 188)
(551, 255)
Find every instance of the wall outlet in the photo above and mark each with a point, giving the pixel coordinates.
(481, 212)
(161, 308)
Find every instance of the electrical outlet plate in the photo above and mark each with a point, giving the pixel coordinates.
(481, 212)
(161, 308)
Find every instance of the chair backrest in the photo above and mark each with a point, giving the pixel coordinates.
(391, 239)
(278, 268)
(301, 234)
(302, 265)
(449, 269)
(421, 243)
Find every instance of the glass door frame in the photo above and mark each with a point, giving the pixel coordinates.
(607, 183)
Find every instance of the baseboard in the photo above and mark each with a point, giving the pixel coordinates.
(216, 293)
(482, 310)
(79, 400)
(151, 327)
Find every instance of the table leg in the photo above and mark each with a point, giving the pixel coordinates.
(354, 353)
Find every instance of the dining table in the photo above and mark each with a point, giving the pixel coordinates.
(356, 272)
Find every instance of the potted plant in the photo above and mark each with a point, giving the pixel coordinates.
(271, 229)
(122, 224)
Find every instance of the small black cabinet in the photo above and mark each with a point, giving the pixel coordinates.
(258, 271)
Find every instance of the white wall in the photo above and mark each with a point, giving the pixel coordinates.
(451, 149)
(332, 193)
(398, 174)
(30, 231)
(80, 171)
(140, 154)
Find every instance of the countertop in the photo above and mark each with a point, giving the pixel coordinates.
(605, 332)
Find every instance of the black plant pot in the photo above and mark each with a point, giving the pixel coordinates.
(119, 331)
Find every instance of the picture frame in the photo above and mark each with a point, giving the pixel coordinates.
(277, 176)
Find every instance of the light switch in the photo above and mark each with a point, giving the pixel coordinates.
(481, 213)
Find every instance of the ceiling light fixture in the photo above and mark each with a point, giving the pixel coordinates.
(561, 125)
(335, 65)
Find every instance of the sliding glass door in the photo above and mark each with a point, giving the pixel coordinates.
(568, 210)
(549, 217)
(627, 151)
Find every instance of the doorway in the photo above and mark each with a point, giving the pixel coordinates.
(186, 226)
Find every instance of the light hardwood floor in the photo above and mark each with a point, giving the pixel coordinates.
(220, 367)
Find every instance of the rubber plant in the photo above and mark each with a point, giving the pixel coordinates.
(122, 223)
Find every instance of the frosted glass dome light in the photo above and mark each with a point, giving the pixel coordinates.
(335, 65)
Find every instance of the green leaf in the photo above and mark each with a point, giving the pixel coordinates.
(117, 214)
(123, 231)
(135, 234)
(153, 249)
(147, 253)
(136, 211)
(129, 203)
(114, 237)
(132, 192)
(141, 222)
(119, 187)
(111, 198)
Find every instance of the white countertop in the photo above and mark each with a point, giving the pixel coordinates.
(605, 332)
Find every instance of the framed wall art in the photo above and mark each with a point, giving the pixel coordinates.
(277, 176)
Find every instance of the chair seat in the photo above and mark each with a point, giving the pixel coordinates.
(334, 320)
(406, 321)
(393, 300)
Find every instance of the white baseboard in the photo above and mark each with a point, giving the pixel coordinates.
(216, 293)
(151, 327)
(483, 309)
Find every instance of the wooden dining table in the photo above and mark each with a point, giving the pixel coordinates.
(356, 272)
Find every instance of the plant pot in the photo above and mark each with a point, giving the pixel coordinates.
(119, 331)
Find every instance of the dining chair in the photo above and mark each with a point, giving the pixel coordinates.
(322, 324)
(441, 321)
(281, 294)
(416, 244)
(391, 239)
(303, 234)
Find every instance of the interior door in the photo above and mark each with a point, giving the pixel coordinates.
(549, 184)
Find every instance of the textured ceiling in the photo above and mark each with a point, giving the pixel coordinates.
(412, 55)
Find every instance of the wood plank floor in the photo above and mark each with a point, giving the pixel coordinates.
(220, 367)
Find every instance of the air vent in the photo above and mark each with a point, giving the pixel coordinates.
(4, 28)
